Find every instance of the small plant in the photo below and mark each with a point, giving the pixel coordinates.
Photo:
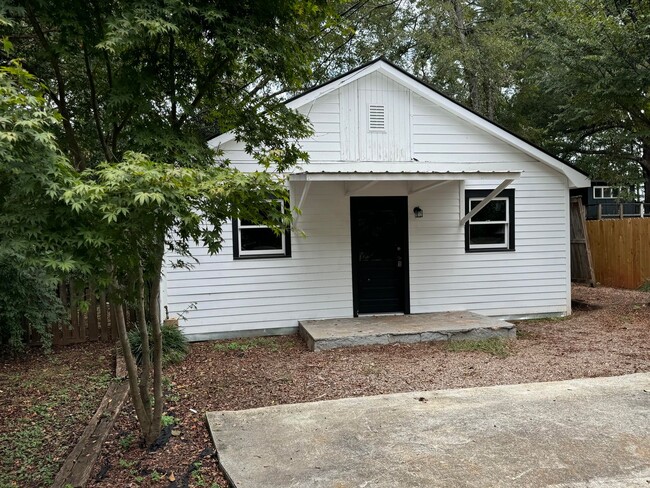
(645, 286)
(245, 345)
(196, 474)
(123, 463)
(156, 476)
(127, 441)
(167, 421)
(174, 344)
(495, 346)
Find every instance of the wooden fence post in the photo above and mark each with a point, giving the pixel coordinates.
(581, 262)
(93, 330)
(103, 316)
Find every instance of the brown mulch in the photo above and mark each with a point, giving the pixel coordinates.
(46, 400)
(608, 334)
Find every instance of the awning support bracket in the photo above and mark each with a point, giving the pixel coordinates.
(348, 192)
(430, 186)
(485, 201)
(305, 190)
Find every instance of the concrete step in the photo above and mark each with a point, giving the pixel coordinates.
(321, 335)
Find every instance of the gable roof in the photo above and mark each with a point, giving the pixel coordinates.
(577, 178)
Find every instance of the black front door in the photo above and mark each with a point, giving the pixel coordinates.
(379, 254)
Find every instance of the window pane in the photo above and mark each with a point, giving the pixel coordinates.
(598, 193)
(279, 204)
(494, 211)
(260, 240)
(487, 234)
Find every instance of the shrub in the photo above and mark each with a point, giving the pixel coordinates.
(27, 297)
(174, 344)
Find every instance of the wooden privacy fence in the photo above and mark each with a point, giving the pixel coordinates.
(620, 250)
(96, 322)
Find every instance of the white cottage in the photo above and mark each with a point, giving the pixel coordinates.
(411, 204)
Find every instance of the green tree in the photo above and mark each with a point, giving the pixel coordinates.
(139, 85)
(160, 77)
(28, 155)
(129, 213)
(465, 48)
(584, 91)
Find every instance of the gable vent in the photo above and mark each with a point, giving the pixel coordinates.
(376, 117)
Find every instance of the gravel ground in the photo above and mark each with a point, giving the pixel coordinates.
(608, 334)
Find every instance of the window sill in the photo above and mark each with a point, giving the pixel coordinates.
(263, 256)
(489, 250)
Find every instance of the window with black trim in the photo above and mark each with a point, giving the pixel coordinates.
(252, 240)
(493, 227)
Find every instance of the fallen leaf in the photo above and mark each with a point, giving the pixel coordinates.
(172, 477)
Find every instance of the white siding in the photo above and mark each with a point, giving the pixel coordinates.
(248, 294)
(324, 114)
(324, 145)
(316, 282)
(530, 280)
(393, 144)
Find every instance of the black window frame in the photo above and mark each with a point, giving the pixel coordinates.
(286, 235)
(510, 195)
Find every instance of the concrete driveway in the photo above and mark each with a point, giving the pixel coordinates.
(578, 433)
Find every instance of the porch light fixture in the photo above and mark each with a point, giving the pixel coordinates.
(417, 211)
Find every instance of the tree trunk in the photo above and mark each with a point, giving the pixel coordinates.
(144, 415)
(471, 77)
(145, 374)
(154, 429)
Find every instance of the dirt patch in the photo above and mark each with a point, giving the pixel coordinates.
(610, 338)
(45, 403)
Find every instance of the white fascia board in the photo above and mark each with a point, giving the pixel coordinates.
(576, 179)
(403, 176)
(308, 98)
(215, 142)
(396, 167)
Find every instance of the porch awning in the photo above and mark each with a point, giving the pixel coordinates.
(410, 171)
(432, 174)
